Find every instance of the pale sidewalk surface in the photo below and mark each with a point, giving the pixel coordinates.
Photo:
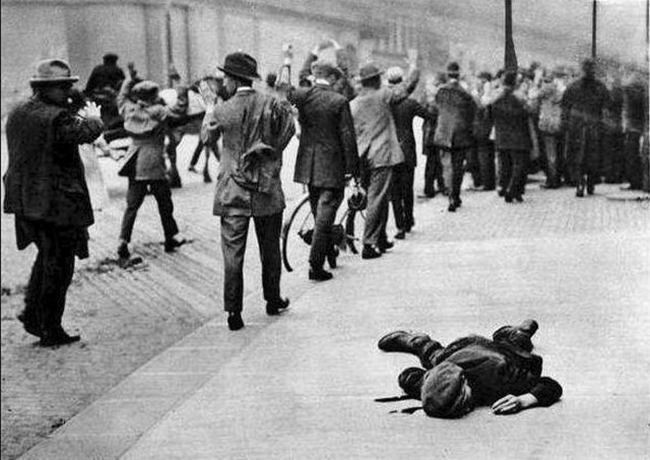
(303, 385)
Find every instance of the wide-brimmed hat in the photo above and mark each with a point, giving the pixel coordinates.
(240, 65)
(369, 71)
(53, 72)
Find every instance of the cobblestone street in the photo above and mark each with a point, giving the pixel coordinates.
(158, 375)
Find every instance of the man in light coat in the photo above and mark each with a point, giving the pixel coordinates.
(255, 129)
(379, 148)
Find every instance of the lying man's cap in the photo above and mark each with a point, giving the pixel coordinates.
(443, 392)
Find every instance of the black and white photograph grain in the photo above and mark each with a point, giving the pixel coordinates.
(325, 230)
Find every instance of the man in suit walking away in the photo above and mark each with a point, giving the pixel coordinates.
(404, 173)
(510, 118)
(326, 155)
(456, 111)
(255, 129)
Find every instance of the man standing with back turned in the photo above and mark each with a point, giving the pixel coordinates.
(454, 136)
(256, 128)
(379, 148)
(327, 153)
(46, 191)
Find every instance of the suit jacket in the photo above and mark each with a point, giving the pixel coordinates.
(374, 125)
(328, 146)
(456, 111)
(147, 124)
(511, 125)
(255, 129)
(403, 114)
(45, 175)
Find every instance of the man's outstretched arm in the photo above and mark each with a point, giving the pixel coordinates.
(545, 393)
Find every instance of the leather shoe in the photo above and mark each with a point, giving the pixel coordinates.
(29, 325)
(519, 198)
(172, 243)
(501, 192)
(370, 252)
(277, 307)
(590, 189)
(400, 235)
(123, 251)
(235, 322)
(319, 274)
(452, 207)
(385, 246)
(508, 198)
(57, 337)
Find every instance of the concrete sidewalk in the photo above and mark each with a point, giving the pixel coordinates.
(303, 385)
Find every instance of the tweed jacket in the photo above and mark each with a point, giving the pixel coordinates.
(255, 129)
(45, 175)
(496, 369)
(147, 123)
(511, 126)
(403, 114)
(456, 112)
(328, 146)
(377, 141)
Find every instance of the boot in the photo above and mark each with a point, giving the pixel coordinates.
(410, 380)
(404, 342)
(519, 336)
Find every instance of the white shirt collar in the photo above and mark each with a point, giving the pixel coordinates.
(242, 89)
(322, 81)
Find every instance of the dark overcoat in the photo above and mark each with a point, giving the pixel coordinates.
(328, 146)
(496, 369)
(510, 118)
(403, 114)
(456, 111)
(45, 179)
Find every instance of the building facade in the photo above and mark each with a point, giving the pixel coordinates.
(195, 35)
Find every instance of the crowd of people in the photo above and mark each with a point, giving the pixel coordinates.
(352, 128)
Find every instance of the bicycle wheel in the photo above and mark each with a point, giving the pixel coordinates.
(297, 232)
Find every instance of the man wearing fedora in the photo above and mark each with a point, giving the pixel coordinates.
(474, 371)
(379, 148)
(46, 191)
(326, 155)
(255, 129)
(456, 111)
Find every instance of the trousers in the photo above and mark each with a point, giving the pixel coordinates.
(433, 172)
(324, 204)
(402, 196)
(379, 189)
(50, 277)
(234, 234)
(513, 171)
(452, 170)
(134, 199)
